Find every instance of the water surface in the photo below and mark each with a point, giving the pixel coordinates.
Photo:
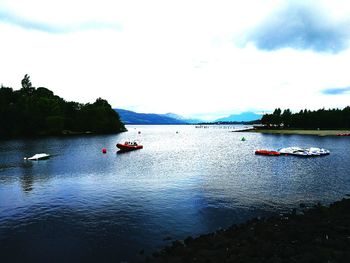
(82, 205)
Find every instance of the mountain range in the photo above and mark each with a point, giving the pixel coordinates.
(131, 117)
(242, 117)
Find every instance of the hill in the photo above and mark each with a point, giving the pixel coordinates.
(182, 118)
(131, 117)
(242, 117)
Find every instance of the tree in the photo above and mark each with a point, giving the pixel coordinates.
(286, 117)
(27, 87)
(26, 84)
(306, 119)
(276, 117)
(31, 112)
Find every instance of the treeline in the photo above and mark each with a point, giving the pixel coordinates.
(306, 119)
(34, 111)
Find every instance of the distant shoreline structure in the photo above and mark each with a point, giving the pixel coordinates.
(299, 131)
(254, 123)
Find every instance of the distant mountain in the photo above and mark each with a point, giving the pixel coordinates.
(244, 116)
(182, 118)
(131, 117)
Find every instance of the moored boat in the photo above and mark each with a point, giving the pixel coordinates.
(38, 156)
(129, 146)
(267, 152)
(318, 151)
(343, 134)
(307, 152)
(291, 150)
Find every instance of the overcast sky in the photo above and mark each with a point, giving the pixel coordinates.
(200, 58)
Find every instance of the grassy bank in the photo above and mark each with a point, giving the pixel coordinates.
(319, 234)
(301, 132)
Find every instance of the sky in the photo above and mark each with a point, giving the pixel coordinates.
(196, 58)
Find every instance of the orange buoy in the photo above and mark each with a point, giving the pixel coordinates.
(104, 150)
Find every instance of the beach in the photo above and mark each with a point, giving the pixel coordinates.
(317, 234)
(301, 132)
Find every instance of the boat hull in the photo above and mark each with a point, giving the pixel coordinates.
(304, 152)
(267, 153)
(127, 147)
(39, 156)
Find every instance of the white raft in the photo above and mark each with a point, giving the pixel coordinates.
(298, 151)
(38, 156)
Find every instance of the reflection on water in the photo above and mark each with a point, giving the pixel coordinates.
(27, 182)
(82, 205)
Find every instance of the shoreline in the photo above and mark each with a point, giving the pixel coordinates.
(299, 132)
(318, 234)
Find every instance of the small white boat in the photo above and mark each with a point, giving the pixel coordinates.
(298, 151)
(318, 151)
(38, 156)
(290, 150)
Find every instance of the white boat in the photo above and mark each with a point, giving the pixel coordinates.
(291, 150)
(318, 151)
(38, 156)
(298, 151)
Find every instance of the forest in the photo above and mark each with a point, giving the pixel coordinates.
(38, 111)
(307, 119)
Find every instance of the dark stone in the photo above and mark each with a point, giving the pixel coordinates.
(177, 243)
(320, 234)
(188, 240)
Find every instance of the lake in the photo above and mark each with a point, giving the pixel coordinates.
(85, 206)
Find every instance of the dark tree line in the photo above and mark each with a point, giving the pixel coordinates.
(306, 119)
(37, 111)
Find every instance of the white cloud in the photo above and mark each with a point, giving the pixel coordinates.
(176, 56)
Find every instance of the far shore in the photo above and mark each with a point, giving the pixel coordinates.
(301, 132)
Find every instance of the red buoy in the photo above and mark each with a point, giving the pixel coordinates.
(104, 150)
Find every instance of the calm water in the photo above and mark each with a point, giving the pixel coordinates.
(82, 205)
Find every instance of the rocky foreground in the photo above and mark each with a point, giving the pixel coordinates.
(319, 234)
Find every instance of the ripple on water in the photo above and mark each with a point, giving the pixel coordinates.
(187, 183)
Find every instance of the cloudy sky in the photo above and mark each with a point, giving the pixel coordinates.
(191, 57)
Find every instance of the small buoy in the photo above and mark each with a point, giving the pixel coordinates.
(104, 150)
(139, 132)
(243, 139)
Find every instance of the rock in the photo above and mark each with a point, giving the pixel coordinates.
(319, 234)
(188, 240)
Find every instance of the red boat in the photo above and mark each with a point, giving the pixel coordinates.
(129, 146)
(267, 152)
(343, 134)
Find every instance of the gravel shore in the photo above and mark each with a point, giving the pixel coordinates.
(318, 234)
